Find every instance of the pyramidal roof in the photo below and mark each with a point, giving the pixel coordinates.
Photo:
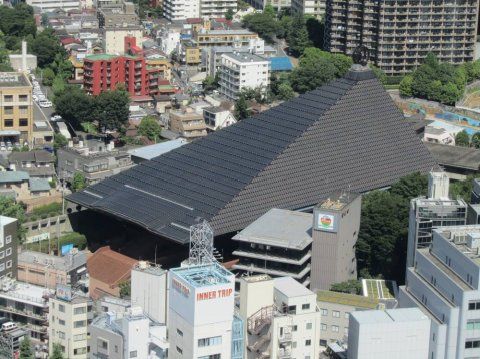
(345, 135)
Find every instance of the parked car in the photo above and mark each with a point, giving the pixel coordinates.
(45, 103)
(55, 118)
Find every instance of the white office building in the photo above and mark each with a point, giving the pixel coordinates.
(149, 290)
(50, 5)
(241, 71)
(177, 10)
(201, 313)
(281, 318)
(444, 283)
(216, 8)
(393, 334)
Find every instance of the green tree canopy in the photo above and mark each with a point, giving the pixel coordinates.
(210, 83)
(462, 139)
(78, 182)
(112, 110)
(26, 351)
(380, 74)
(57, 352)
(241, 108)
(74, 106)
(59, 141)
(352, 286)
(406, 86)
(264, 24)
(17, 23)
(309, 76)
(229, 14)
(150, 128)
(476, 140)
(125, 289)
(462, 189)
(298, 38)
(47, 47)
(48, 76)
(285, 91)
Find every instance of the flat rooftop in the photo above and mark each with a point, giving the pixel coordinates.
(257, 278)
(152, 151)
(389, 316)
(245, 57)
(337, 201)
(66, 263)
(227, 32)
(203, 275)
(13, 79)
(457, 236)
(379, 288)
(353, 300)
(290, 287)
(28, 293)
(6, 220)
(440, 202)
(279, 228)
(455, 156)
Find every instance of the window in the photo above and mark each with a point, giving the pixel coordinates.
(133, 354)
(308, 342)
(2, 267)
(22, 98)
(345, 331)
(294, 328)
(102, 344)
(79, 337)
(473, 324)
(24, 122)
(324, 327)
(23, 110)
(211, 356)
(8, 98)
(206, 342)
(474, 305)
(9, 264)
(2, 254)
(8, 252)
(323, 342)
(8, 110)
(61, 308)
(309, 326)
(179, 350)
(347, 315)
(80, 324)
(305, 306)
(335, 328)
(324, 312)
(292, 309)
(8, 239)
(61, 322)
(179, 332)
(79, 310)
(8, 123)
(294, 345)
(61, 335)
(335, 314)
(80, 351)
(469, 344)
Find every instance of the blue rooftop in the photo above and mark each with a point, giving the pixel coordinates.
(13, 176)
(203, 275)
(281, 64)
(38, 184)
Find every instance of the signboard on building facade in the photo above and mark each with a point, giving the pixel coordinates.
(64, 292)
(326, 221)
(38, 237)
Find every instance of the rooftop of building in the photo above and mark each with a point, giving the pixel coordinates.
(66, 263)
(290, 287)
(244, 57)
(150, 268)
(4, 220)
(379, 289)
(13, 79)
(119, 266)
(152, 151)
(353, 300)
(28, 293)
(226, 32)
(13, 176)
(337, 201)
(466, 239)
(389, 316)
(459, 202)
(200, 276)
(100, 57)
(455, 156)
(256, 278)
(279, 228)
(39, 184)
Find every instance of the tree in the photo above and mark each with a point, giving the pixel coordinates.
(410, 186)
(406, 86)
(352, 286)
(74, 106)
(111, 110)
(26, 349)
(462, 139)
(59, 141)
(380, 74)
(462, 189)
(48, 76)
(285, 91)
(58, 85)
(311, 75)
(229, 14)
(125, 289)
(17, 23)
(264, 24)
(150, 128)
(210, 83)
(78, 182)
(476, 140)
(57, 352)
(47, 46)
(297, 38)
(241, 108)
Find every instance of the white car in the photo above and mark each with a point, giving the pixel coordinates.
(45, 104)
(35, 98)
(56, 118)
(41, 98)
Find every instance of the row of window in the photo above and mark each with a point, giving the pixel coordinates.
(335, 313)
(9, 122)
(9, 98)
(335, 329)
(8, 110)
(206, 342)
(8, 265)
(475, 343)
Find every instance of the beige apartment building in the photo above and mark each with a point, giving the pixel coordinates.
(69, 317)
(236, 37)
(188, 124)
(114, 40)
(16, 108)
(400, 33)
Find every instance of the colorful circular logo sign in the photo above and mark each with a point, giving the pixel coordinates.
(326, 221)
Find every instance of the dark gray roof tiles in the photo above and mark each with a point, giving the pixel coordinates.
(345, 135)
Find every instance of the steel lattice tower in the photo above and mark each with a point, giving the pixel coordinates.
(201, 243)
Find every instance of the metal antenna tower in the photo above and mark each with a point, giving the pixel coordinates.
(201, 243)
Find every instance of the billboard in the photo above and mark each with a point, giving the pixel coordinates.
(66, 248)
(64, 292)
(326, 221)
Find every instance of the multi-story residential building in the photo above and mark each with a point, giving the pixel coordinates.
(27, 305)
(149, 290)
(69, 315)
(309, 7)
(114, 38)
(37, 163)
(216, 118)
(211, 9)
(279, 244)
(175, 10)
(444, 283)
(435, 211)
(190, 53)
(117, 15)
(233, 37)
(241, 71)
(277, 4)
(201, 312)
(94, 159)
(399, 34)
(188, 123)
(50, 5)
(16, 108)
(335, 308)
(48, 270)
(131, 335)
(104, 72)
(336, 222)
(8, 247)
(396, 333)
(281, 317)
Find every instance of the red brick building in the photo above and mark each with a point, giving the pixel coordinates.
(102, 72)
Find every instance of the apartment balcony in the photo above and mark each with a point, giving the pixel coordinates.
(23, 313)
(285, 338)
(284, 354)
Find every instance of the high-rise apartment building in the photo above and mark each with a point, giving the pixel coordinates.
(400, 33)
(435, 211)
(8, 247)
(444, 283)
(309, 7)
(69, 316)
(16, 108)
(50, 5)
(181, 10)
(336, 222)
